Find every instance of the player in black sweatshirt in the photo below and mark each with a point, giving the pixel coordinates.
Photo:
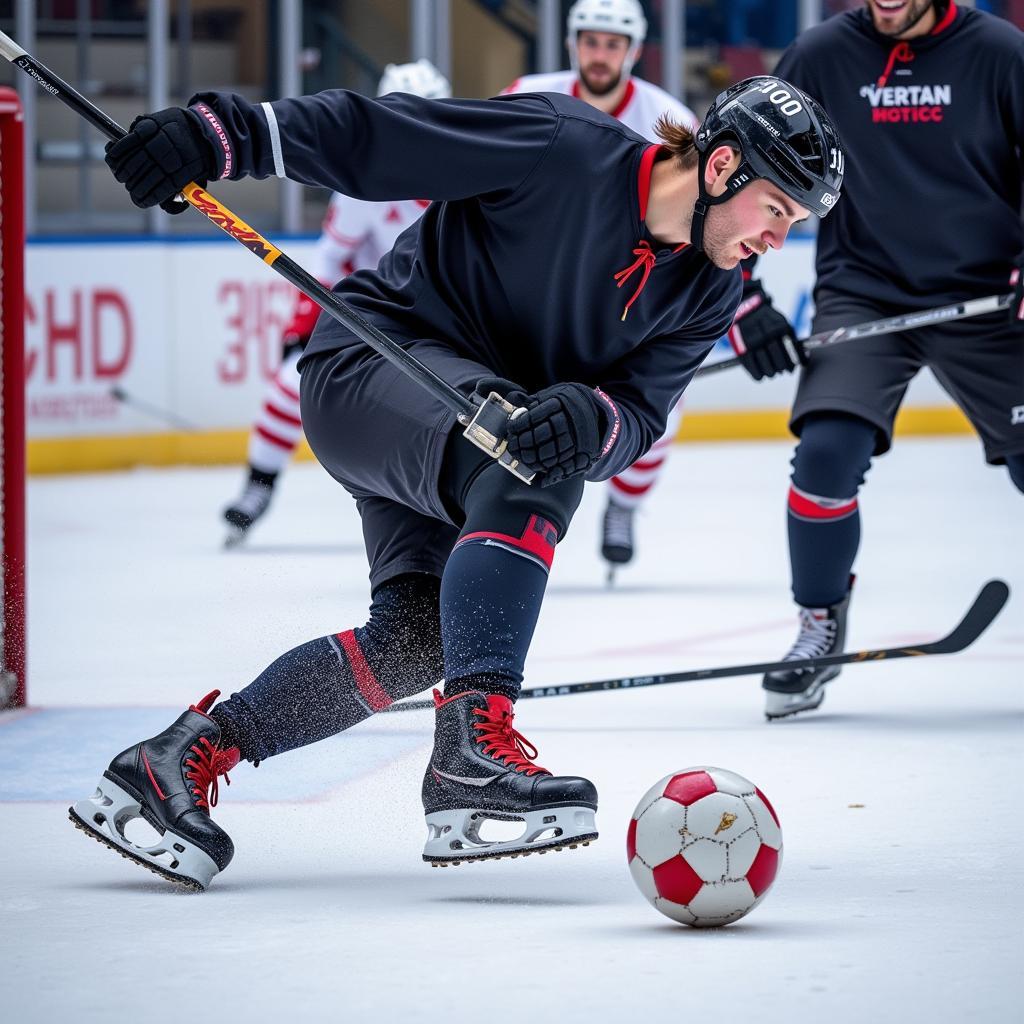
(565, 262)
(928, 99)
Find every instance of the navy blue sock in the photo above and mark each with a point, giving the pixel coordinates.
(494, 582)
(824, 517)
(491, 594)
(334, 682)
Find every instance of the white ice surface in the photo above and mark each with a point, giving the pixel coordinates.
(907, 908)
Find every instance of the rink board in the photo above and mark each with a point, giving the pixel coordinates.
(189, 330)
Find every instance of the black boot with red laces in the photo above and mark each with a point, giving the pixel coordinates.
(171, 782)
(483, 795)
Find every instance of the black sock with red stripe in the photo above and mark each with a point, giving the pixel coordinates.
(824, 516)
(334, 682)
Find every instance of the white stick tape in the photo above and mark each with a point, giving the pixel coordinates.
(9, 48)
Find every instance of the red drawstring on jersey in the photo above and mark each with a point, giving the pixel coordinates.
(644, 259)
(900, 52)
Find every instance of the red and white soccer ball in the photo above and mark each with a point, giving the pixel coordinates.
(704, 846)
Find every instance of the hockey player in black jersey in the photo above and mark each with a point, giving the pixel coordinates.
(929, 101)
(566, 263)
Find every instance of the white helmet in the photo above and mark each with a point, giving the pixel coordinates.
(420, 78)
(623, 17)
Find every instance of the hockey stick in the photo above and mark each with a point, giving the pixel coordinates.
(987, 605)
(887, 325)
(168, 417)
(485, 424)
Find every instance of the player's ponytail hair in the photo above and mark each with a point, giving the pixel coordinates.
(678, 140)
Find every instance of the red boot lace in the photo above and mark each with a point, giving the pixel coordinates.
(498, 739)
(209, 763)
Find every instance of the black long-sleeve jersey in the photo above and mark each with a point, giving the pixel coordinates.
(539, 201)
(932, 130)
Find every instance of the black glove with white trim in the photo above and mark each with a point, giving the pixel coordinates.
(762, 337)
(160, 155)
(566, 428)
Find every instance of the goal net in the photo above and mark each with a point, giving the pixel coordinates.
(12, 401)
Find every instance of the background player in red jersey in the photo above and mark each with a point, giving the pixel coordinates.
(604, 39)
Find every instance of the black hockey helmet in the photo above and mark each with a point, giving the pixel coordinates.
(783, 136)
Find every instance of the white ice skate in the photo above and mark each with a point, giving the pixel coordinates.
(457, 836)
(250, 505)
(822, 632)
(111, 809)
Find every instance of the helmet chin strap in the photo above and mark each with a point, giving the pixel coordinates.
(743, 175)
(700, 211)
(701, 206)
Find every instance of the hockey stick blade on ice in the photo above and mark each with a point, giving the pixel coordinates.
(484, 423)
(987, 605)
(887, 325)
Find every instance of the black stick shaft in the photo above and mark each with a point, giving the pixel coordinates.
(220, 215)
(151, 409)
(987, 605)
(886, 325)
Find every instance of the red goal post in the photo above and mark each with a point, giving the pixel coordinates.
(12, 400)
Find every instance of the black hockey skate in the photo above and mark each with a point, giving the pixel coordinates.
(250, 505)
(617, 537)
(822, 631)
(171, 782)
(482, 771)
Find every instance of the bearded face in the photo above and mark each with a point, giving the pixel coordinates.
(895, 18)
(722, 237)
(599, 79)
(601, 56)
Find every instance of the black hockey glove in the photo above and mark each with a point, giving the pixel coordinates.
(561, 434)
(160, 155)
(762, 337)
(1016, 311)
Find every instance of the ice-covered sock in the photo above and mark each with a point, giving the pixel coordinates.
(484, 683)
(491, 595)
(334, 682)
